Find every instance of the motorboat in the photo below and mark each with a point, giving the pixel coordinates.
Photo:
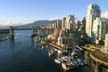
(76, 64)
(42, 47)
(58, 56)
(72, 61)
(51, 52)
(81, 62)
(57, 60)
(67, 63)
(66, 66)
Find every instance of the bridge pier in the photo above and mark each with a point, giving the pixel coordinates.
(35, 32)
(11, 32)
(96, 68)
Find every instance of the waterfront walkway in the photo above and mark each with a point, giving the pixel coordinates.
(81, 48)
(55, 46)
(100, 57)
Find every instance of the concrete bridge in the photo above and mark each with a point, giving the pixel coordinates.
(4, 31)
(35, 31)
(9, 31)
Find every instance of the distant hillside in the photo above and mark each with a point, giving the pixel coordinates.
(4, 27)
(44, 22)
(38, 23)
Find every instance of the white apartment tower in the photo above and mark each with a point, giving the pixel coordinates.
(70, 23)
(92, 12)
(96, 29)
(63, 23)
(105, 49)
(99, 30)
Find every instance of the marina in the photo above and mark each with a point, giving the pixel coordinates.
(16, 56)
(67, 58)
(53, 36)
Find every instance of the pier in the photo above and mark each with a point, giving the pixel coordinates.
(10, 31)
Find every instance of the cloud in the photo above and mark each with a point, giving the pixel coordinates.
(104, 14)
(15, 21)
(55, 18)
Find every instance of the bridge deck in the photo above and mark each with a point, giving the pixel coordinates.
(4, 31)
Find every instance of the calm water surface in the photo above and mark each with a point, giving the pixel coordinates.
(20, 55)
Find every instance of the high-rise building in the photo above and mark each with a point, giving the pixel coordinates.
(84, 24)
(69, 35)
(63, 22)
(99, 30)
(92, 12)
(105, 49)
(106, 41)
(70, 23)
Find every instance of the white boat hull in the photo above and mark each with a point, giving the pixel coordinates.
(57, 61)
(66, 67)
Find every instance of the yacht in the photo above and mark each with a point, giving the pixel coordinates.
(58, 58)
(72, 61)
(67, 63)
(51, 52)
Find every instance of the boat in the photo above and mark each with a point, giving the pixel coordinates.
(42, 47)
(76, 64)
(78, 58)
(51, 52)
(66, 66)
(36, 42)
(85, 62)
(72, 61)
(57, 60)
(67, 63)
(46, 46)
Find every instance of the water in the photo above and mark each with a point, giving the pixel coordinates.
(20, 55)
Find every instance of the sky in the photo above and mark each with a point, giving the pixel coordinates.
(16, 12)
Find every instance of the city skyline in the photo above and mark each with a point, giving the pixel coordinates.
(26, 11)
(51, 35)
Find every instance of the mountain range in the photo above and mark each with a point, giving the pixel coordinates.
(37, 23)
(33, 24)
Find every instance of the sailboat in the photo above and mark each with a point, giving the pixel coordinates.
(58, 59)
(73, 60)
(67, 63)
(51, 52)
